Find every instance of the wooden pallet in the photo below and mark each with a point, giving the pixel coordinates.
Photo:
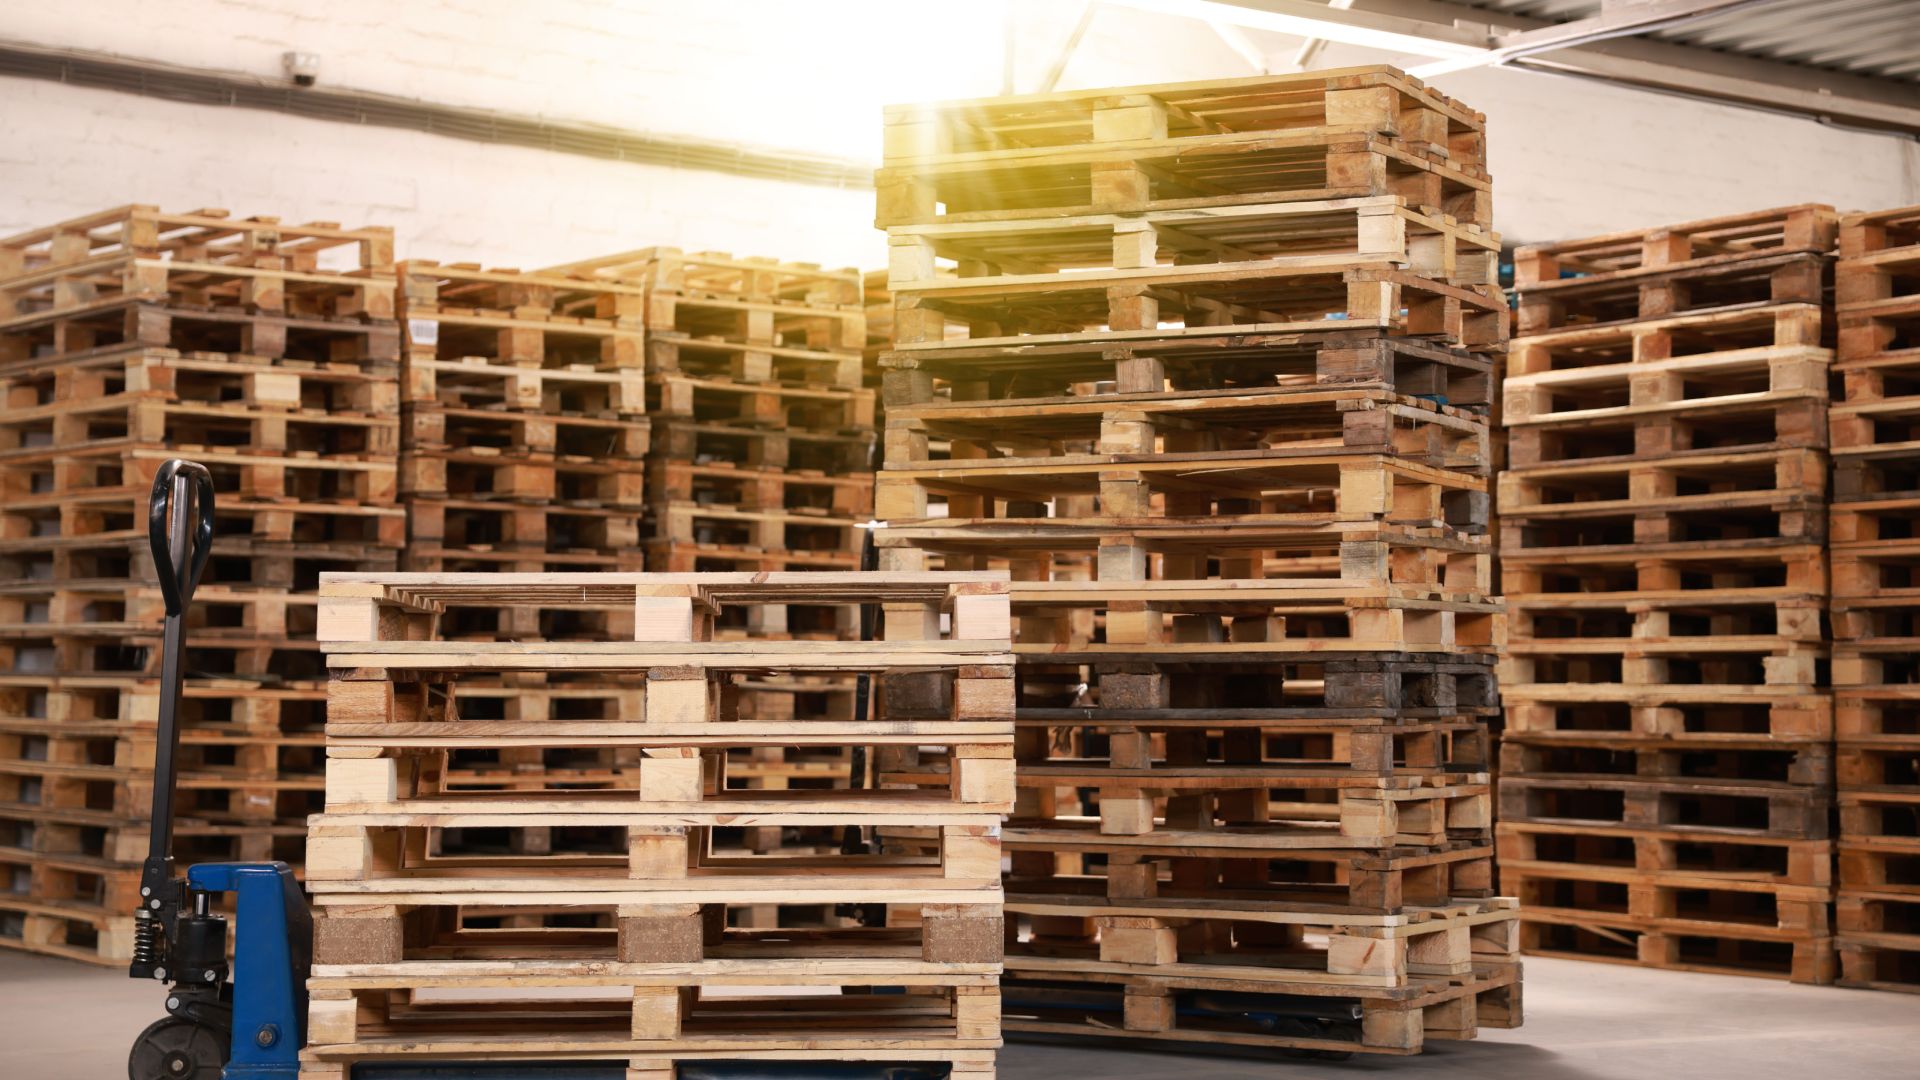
(1191, 358)
(676, 439)
(432, 427)
(1232, 871)
(1019, 251)
(761, 404)
(1708, 242)
(1135, 793)
(1676, 482)
(789, 490)
(1731, 807)
(360, 1009)
(875, 1047)
(777, 532)
(365, 477)
(1878, 940)
(1359, 421)
(762, 358)
(474, 382)
(1349, 132)
(1690, 716)
(481, 473)
(1243, 1016)
(1875, 292)
(1697, 290)
(1347, 949)
(209, 235)
(1761, 759)
(1172, 486)
(1305, 546)
(261, 283)
(1679, 853)
(143, 376)
(119, 322)
(1320, 685)
(672, 269)
(1367, 745)
(521, 531)
(1205, 296)
(1578, 533)
(256, 262)
(1166, 619)
(1714, 948)
(509, 318)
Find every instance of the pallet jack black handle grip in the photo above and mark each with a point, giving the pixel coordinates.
(179, 572)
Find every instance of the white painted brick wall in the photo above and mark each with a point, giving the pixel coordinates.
(448, 199)
(799, 74)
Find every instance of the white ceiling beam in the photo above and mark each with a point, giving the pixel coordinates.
(1236, 39)
(1307, 19)
(1617, 18)
(1068, 48)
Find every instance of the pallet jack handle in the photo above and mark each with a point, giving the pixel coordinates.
(180, 533)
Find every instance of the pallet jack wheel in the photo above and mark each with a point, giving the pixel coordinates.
(176, 1049)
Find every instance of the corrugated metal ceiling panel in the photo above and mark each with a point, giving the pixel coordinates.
(1862, 37)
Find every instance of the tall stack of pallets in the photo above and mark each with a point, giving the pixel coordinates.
(1876, 598)
(267, 352)
(1666, 776)
(1206, 366)
(524, 450)
(412, 962)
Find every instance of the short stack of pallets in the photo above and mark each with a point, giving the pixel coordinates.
(652, 973)
(267, 352)
(1206, 367)
(1876, 598)
(1666, 776)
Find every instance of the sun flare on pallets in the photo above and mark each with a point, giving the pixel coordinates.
(1207, 368)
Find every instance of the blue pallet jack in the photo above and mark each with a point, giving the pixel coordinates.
(210, 1032)
(247, 1020)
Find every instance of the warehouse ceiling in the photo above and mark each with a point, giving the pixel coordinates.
(1848, 62)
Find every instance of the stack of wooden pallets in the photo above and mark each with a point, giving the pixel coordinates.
(762, 457)
(639, 962)
(526, 434)
(1876, 598)
(1207, 368)
(267, 352)
(754, 377)
(524, 450)
(1666, 772)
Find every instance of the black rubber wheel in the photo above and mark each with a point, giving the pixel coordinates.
(176, 1049)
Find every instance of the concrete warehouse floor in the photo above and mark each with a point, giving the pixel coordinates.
(1584, 1021)
(68, 1021)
